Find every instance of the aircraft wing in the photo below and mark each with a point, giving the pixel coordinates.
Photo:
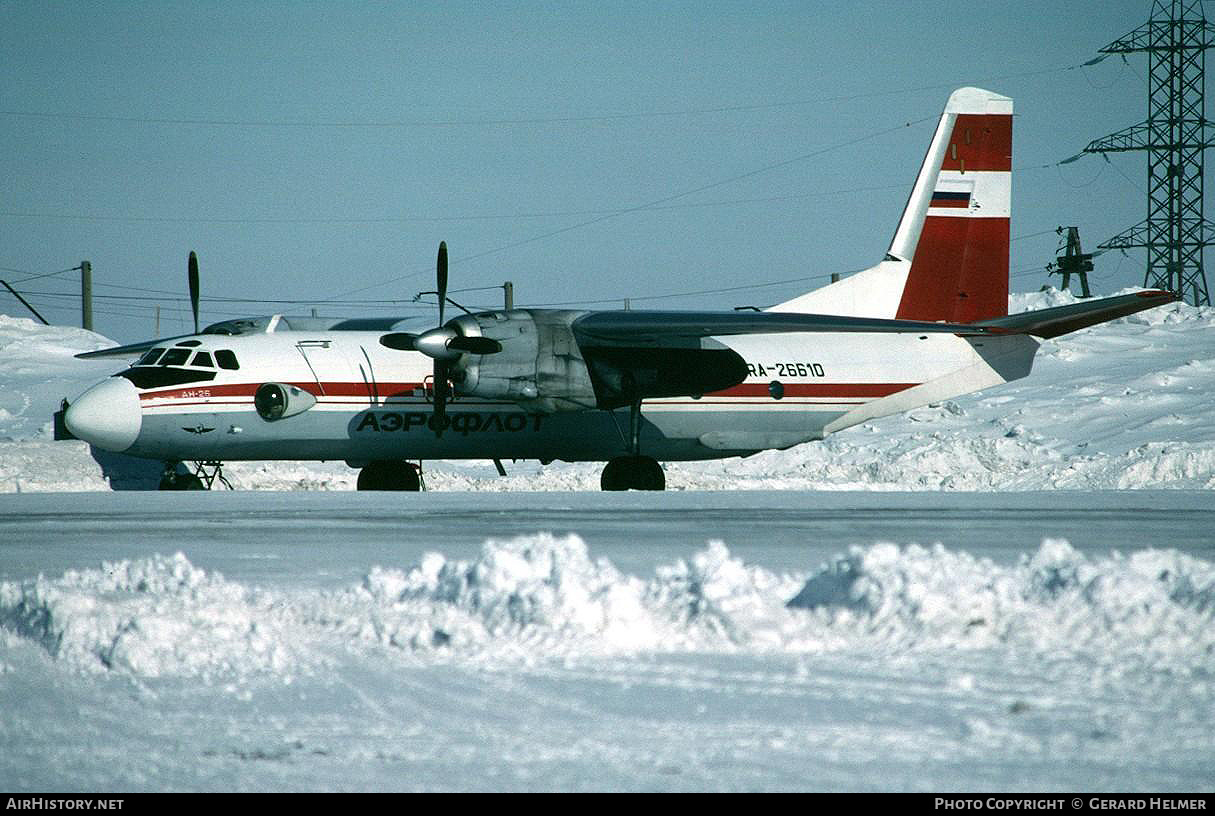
(129, 350)
(1047, 323)
(677, 329)
(648, 355)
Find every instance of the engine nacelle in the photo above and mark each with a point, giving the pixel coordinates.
(540, 365)
(275, 401)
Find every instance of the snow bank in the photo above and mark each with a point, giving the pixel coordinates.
(37, 370)
(543, 597)
(1154, 608)
(519, 592)
(150, 617)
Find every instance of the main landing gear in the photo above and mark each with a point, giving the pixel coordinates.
(393, 475)
(204, 477)
(633, 472)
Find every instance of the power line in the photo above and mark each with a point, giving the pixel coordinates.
(35, 276)
(1033, 235)
(397, 303)
(670, 295)
(385, 304)
(400, 219)
(656, 202)
(511, 120)
(49, 274)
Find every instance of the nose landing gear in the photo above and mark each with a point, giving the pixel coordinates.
(204, 477)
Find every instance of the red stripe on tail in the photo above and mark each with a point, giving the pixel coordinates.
(960, 271)
(980, 142)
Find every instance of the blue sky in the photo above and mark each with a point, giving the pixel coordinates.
(319, 152)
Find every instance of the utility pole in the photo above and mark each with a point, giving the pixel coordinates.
(86, 295)
(508, 294)
(1174, 136)
(1073, 261)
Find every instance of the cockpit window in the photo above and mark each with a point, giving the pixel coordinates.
(156, 371)
(175, 357)
(226, 359)
(161, 377)
(149, 357)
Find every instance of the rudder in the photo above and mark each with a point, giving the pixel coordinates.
(959, 254)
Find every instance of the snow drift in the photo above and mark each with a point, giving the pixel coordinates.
(148, 617)
(541, 597)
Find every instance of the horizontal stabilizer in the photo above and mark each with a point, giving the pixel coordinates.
(1047, 323)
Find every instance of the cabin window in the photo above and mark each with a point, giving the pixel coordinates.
(175, 357)
(226, 359)
(203, 360)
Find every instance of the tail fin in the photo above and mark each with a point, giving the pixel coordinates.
(949, 256)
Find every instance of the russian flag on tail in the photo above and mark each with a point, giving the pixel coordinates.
(947, 198)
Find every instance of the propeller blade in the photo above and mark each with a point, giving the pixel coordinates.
(442, 276)
(401, 341)
(438, 419)
(192, 274)
(474, 345)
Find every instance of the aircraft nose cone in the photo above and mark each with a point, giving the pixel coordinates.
(107, 415)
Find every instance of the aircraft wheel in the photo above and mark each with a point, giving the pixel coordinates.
(181, 481)
(633, 473)
(390, 476)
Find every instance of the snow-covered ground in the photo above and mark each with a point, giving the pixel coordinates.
(629, 641)
(988, 631)
(1125, 405)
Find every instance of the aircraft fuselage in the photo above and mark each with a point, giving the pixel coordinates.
(373, 403)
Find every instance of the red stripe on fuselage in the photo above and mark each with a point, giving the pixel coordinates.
(328, 389)
(792, 389)
(817, 390)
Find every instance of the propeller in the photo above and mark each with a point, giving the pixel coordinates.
(192, 274)
(438, 419)
(441, 274)
(443, 344)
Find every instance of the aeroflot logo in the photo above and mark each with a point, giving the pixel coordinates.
(465, 422)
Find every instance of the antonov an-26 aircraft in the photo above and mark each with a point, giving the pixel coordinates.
(631, 388)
